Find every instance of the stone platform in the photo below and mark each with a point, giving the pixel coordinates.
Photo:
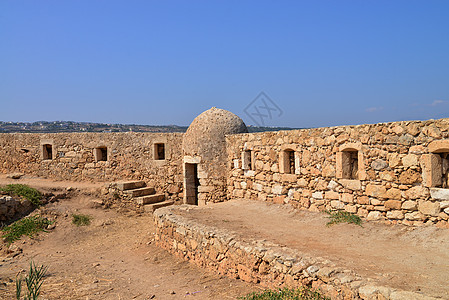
(274, 245)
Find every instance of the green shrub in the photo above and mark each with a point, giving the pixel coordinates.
(303, 293)
(81, 220)
(33, 282)
(343, 217)
(29, 226)
(33, 195)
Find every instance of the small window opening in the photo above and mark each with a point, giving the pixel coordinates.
(350, 164)
(287, 161)
(247, 160)
(159, 151)
(101, 154)
(444, 170)
(291, 162)
(47, 152)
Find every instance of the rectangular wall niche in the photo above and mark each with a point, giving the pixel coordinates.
(159, 151)
(349, 164)
(247, 160)
(47, 152)
(287, 161)
(439, 166)
(101, 154)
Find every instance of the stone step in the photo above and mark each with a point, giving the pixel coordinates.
(150, 199)
(140, 192)
(152, 207)
(129, 185)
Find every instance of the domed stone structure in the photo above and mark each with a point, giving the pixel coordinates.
(204, 149)
(206, 135)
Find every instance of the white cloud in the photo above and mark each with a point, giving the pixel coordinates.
(437, 102)
(374, 109)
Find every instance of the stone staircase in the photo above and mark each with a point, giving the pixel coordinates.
(143, 195)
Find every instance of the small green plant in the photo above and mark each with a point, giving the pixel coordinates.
(81, 220)
(342, 216)
(33, 281)
(303, 293)
(29, 226)
(33, 195)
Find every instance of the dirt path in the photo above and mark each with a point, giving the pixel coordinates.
(113, 258)
(414, 259)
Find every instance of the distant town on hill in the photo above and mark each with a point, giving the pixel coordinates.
(70, 126)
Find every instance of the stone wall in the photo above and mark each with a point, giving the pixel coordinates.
(11, 208)
(390, 171)
(96, 157)
(261, 261)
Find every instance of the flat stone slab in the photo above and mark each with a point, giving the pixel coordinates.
(140, 192)
(129, 185)
(154, 206)
(149, 199)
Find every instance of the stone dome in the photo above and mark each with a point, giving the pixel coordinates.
(205, 137)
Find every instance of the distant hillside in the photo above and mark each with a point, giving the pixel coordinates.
(70, 126)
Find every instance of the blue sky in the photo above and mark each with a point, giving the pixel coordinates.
(322, 63)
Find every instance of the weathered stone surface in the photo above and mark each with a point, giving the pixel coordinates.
(429, 208)
(379, 164)
(409, 177)
(410, 205)
(376, 190)
(417, 192)
(393, 193)
(317, 195)
(337, 204)
(331, 195)
(350, 184)
(410, 160)
(374, 215)
(395, 214)
(439, 194)
(393, 204)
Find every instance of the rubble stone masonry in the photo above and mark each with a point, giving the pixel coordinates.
(96, 157)
(396, 172)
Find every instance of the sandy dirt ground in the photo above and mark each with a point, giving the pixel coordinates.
(413, 259)
(113, 258)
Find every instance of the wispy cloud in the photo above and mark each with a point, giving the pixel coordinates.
(438, 102)
(374, 109)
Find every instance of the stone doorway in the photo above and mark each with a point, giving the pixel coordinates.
(191, 183)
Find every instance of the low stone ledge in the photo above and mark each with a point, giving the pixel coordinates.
(262, 261)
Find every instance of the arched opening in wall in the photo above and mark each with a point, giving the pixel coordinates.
(47, 152)
(191, 183)
(350, 164)
(101, 154)
(159, 151)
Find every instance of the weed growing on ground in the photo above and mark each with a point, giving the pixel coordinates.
(29, 226)
(33, 281)
(33, 195)
(303, 293)
(81, 220)
(342, 216)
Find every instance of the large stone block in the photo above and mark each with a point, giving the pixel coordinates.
(410, 160)
(393, 194)
(351, 184)
(375, 190)
(429, 208)
(439, 194)
(417, 192)
(393, 204)
(395, 215)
